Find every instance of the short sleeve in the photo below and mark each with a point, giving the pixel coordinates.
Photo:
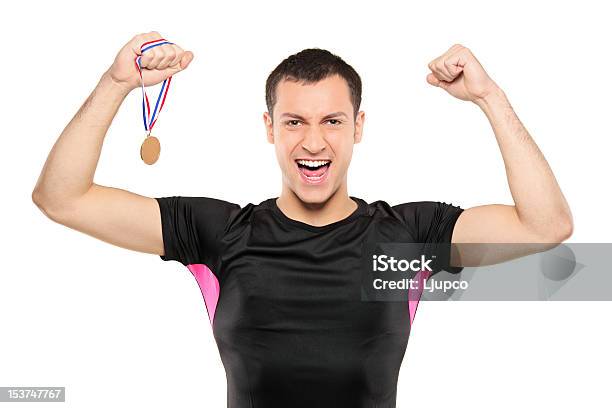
(431, 222)
(192, 227)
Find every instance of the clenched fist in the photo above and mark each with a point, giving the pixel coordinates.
(459, 73)
(157, 63)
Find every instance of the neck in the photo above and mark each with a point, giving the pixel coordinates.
(336, 208)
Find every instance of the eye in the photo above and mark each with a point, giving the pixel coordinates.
(334, 122)
(293, 122)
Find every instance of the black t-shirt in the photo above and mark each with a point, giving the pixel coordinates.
(284, 298)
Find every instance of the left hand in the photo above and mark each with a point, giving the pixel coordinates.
(459, 73)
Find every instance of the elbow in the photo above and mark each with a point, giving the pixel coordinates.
(43, 204)
(562, 230)
(36, 197)
(567, 228)
(565, 225)
(39, 201)
(554, 234)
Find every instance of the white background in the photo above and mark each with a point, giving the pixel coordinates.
(120, 328)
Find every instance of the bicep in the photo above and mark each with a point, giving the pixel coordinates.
(117, 216)
(489, 234)
(493, 223)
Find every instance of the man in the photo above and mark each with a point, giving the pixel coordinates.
(281, 279)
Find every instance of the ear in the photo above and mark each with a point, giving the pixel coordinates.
(269, 127)
(359, 126)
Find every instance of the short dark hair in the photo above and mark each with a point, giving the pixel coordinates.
(311, 66)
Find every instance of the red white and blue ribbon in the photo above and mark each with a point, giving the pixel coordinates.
(149, 118)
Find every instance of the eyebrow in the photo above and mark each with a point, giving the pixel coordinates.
(296, 116)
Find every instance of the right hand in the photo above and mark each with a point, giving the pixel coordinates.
(157, 63)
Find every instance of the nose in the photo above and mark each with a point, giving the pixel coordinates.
(313, 141)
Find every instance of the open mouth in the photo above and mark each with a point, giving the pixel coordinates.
(313, 171)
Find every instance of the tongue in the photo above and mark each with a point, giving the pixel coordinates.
(314, 173)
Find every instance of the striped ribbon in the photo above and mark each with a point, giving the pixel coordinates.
(149, 118)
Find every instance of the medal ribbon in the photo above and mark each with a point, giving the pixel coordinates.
(148, 118)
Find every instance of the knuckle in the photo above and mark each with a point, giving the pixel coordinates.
(151, 57)
(138, 39)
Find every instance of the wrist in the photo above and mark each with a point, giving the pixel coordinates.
(116, 87)
(493, 97)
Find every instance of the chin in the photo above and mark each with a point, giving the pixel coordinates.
(316, 195)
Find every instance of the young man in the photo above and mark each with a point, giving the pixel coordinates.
(282, 278)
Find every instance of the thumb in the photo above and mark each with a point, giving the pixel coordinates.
(186, 60)
(181, 65)
(432, 80)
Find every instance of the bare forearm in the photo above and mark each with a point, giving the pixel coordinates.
(539, 202)
(69, 170)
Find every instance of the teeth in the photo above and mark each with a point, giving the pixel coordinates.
(313, 163)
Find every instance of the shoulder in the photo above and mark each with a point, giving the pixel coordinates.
(415, 215)
(413, 211)
(382, 211)
(407, 211)
(247, 214)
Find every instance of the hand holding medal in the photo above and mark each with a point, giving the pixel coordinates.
(156, 60)
(149, 151)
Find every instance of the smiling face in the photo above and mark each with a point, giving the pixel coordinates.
(313, 132)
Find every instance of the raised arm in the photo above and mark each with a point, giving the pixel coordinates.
(65, 191)
(540, 217)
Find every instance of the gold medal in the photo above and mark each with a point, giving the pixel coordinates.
(149, 151)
